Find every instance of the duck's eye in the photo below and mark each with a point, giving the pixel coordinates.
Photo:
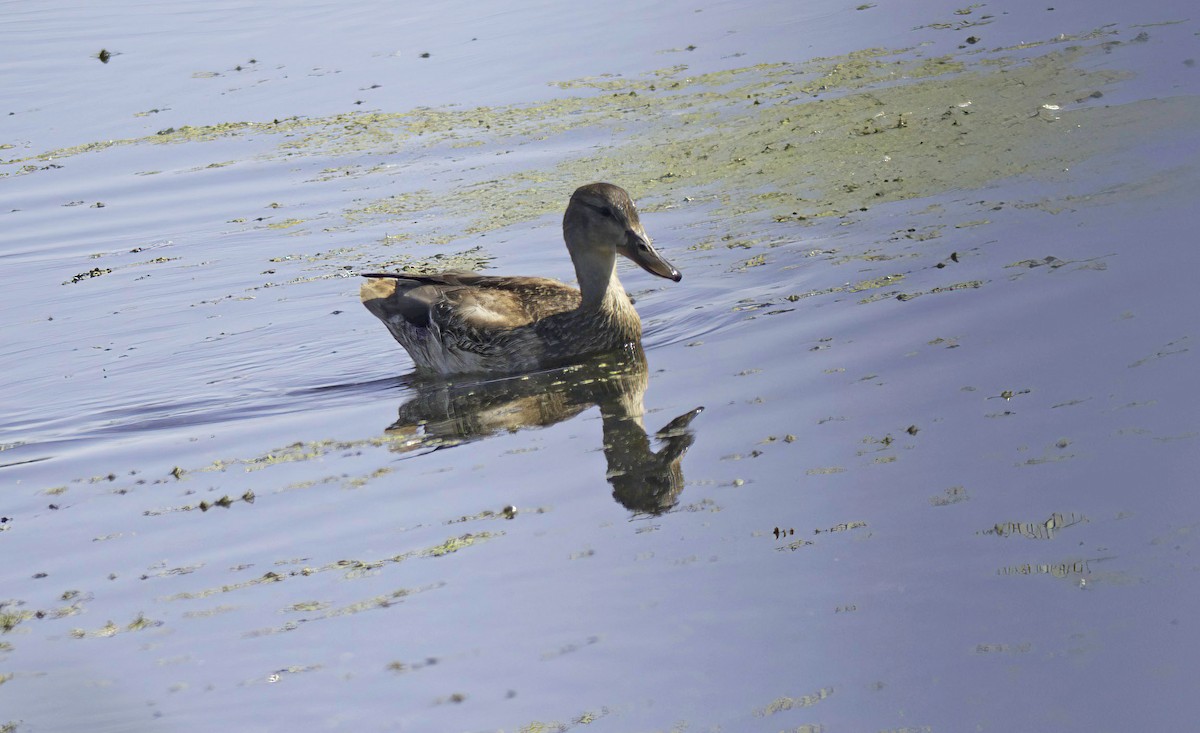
(606, 212)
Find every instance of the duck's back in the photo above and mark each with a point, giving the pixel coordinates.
(474, 300)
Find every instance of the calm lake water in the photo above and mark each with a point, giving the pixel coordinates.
(937, 308)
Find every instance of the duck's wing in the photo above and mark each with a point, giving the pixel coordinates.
(457, 302)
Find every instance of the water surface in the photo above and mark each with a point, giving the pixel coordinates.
(936, 306)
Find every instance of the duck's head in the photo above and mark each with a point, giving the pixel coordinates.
(600, 220)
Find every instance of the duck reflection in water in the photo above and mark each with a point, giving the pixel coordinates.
(644, 480)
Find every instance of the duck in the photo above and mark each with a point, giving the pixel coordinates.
(464, 323)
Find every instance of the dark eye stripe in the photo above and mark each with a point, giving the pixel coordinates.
(601, 210)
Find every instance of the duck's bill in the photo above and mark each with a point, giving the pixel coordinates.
(639, 249)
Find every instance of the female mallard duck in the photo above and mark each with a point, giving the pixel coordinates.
(460, 322)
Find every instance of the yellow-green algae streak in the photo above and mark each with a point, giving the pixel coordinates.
(797, 141)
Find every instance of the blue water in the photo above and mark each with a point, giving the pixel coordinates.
(983, 495)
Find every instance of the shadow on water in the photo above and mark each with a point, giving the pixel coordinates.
(443, 414)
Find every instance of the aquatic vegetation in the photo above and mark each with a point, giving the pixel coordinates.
(827, 137)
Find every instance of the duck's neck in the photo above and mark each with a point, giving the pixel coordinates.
(603, 295)
(596, 273)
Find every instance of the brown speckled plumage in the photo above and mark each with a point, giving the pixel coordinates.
(461, 322)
